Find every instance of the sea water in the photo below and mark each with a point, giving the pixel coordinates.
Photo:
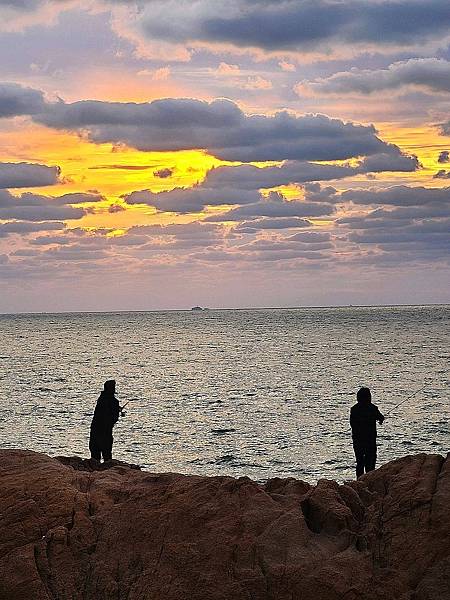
(261, 393)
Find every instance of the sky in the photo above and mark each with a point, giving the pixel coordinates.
(166, 154)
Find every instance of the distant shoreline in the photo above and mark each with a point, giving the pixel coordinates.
(217, 309)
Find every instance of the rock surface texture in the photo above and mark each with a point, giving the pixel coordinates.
(70, 531)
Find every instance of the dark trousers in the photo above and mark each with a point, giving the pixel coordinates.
(366, 455)
(101, 445)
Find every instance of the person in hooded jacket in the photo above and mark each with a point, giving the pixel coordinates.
(106, 415)
(363, 420)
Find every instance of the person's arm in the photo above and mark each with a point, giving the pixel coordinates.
(352, 418)
(379, 417)
(114, 411)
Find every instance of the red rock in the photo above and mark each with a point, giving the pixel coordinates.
(70, 529)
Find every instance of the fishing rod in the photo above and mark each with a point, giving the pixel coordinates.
(405, 399)
(122, 414)
(315, 435)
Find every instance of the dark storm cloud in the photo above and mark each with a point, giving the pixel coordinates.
(294, 25)
(16, 100)
(444, 157)
(430, 73)
(220, 127)
(18, 175)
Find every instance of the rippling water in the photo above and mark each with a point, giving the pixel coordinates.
(261, 393)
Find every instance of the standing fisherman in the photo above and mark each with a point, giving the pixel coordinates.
(106, 415)
(363, 420)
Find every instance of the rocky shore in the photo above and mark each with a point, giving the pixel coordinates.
(70, 531)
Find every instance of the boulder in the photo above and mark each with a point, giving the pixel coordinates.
(73, 529)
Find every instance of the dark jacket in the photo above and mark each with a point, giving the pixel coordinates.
(106, 414)
(363, 420)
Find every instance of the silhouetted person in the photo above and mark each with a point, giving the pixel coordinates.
(106, 415)
(363, 420)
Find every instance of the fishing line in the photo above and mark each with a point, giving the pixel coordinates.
(405, 399)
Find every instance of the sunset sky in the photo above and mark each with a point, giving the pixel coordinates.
(162, 154)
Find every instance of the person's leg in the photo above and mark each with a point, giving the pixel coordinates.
(371, 456)
(359, 455)
(107, 449)
(95, 450)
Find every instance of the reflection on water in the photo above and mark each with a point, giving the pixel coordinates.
(252, 392)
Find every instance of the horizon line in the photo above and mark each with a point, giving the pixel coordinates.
(208, 309)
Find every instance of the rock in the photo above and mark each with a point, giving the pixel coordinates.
(72, 529)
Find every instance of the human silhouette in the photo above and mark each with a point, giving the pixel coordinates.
(363, 420)
(106, 415)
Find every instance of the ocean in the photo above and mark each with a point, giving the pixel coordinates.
(263, 393)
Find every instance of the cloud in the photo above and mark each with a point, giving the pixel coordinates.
(257, 82)
(224, 69)
(34, 207)
(422, 232)
(271, 250)
(122, 167)
(298, 26)
(191, 231)
(392, 161)
(16, 15)
(275, 205)
(161, 74)
(401, 195)
(163, 173)
(41, 213)
(249, 177)
(432, 74)
(17, 175)
(286, 66)
(187, 200)
(241, 184)
(319, 25)
(410, 224)
(442, 174)
(272, 223)
(444, 157)
(25, 227)
(220, 127)
(16, 100)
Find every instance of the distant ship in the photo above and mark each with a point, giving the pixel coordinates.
(197, 308)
